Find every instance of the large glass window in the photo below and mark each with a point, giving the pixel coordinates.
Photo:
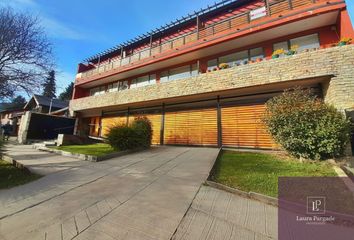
(306, 42)
(113, 87)
(97, 91)
(241, 56)
(143, 81)
(281, 45)
(229, 59)
(164, 76)
(212, 64)
(122, 85)
(256, 53)
(179, 73)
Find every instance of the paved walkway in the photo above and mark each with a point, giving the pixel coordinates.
(39, 161)
(138, 196)
(220, 215)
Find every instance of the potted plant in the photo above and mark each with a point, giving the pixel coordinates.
(292, 50)
(344, 41)
(224, 65)
(215, 69)
(245, 62)
(259, 59)
(277, 53)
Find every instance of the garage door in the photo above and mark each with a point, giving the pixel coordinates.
(242, 127)
(192, 127)
(108, 122)
(155, 120)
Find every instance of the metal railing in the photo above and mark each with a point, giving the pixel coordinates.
(273, 7)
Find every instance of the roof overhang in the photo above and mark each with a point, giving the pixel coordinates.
(250, 37)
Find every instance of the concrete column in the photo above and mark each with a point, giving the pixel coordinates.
(23, 130)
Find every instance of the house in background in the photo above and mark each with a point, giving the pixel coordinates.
(42, 104)
(173, 76)
(12, 116)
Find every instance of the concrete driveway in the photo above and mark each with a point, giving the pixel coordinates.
(138, 196)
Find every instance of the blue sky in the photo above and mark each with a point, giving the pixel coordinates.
(81, 28)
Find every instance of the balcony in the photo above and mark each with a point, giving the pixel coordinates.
(237, 23)
(316, 65)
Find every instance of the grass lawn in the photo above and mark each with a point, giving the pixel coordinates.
(258, 172)
(97, 149)
(11, 176)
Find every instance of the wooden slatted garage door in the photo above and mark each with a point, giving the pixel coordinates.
(155, 120)
(242, 127)
(108, 122)
(192, 127)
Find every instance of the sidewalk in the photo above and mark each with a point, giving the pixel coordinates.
(39, 162)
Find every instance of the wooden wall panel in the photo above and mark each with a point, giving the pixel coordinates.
(192, 127)
(155, 123)
(108, 122)
(94, 126)
(242, 127)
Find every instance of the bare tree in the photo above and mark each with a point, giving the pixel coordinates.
(25, 53)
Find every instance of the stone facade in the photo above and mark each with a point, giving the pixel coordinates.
(337, 62)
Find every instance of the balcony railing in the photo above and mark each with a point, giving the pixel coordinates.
(272, 7)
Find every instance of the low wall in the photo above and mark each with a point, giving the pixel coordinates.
(66, 139)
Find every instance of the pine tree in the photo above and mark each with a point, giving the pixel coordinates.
(18, 102)
(67, 94)
(49, 87)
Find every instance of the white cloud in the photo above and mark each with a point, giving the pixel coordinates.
(63, 79)
(53, 27)
(58, 30)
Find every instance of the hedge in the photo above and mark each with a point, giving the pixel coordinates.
(136, 135)
(305, 126)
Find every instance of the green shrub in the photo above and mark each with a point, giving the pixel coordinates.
(137, 135)
(305, 126)
(143, 129)
(121, 137)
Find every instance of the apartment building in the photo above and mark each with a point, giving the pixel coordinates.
(203, 79)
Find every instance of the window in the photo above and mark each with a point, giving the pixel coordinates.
(113, 87)
(97, 91)
(241, 57)
(179, 73)
(229, 59)
(212, 64)
(281, 45)
(306, 42)
(256, 53)
(164, 76)
(143, 81)
(122, 85)
(194, 70)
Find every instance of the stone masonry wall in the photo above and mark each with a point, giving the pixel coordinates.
(336, 61)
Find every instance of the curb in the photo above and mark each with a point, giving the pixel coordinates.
(251, 195)
(349, 171)
(90, 158)
(18, 165)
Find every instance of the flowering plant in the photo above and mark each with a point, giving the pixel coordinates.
(278, 52)
(344, 41)
(224, 65)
